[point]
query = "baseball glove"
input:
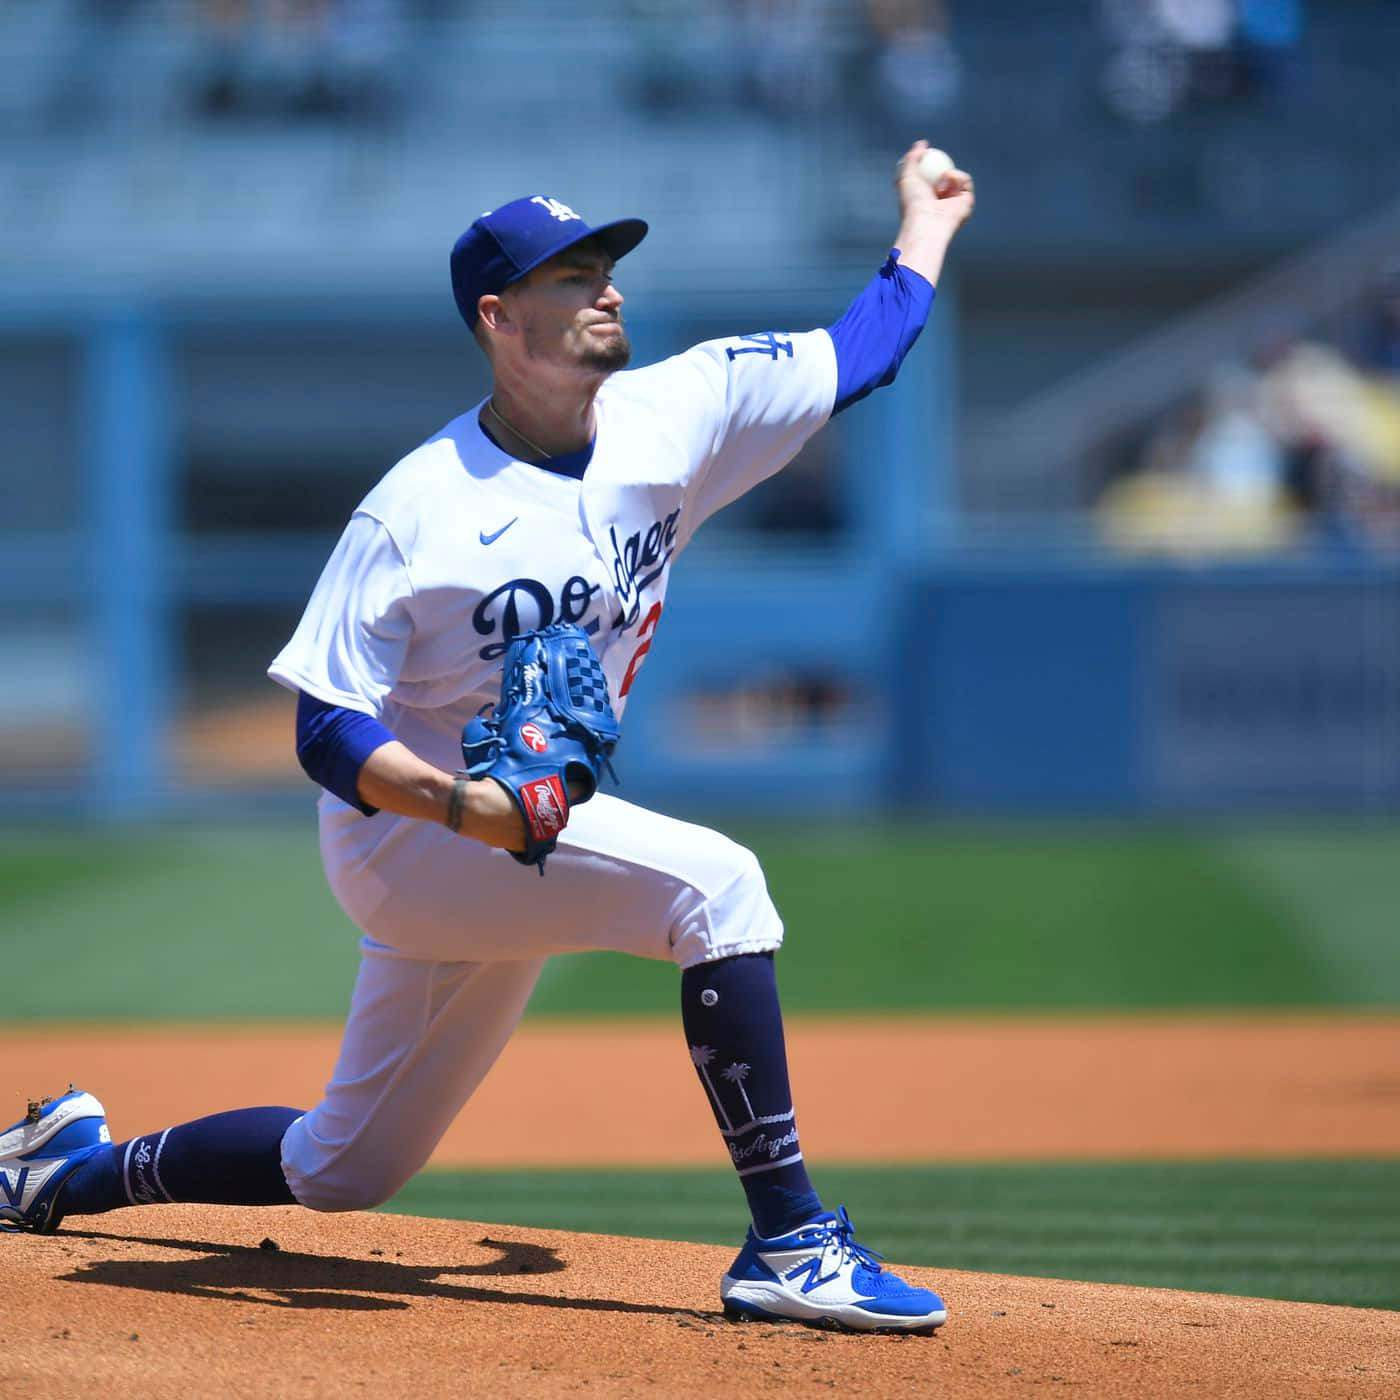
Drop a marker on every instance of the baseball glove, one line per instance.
(552, 731)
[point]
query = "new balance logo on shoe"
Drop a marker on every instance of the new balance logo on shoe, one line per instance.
(813, 1269)
(16, 1195)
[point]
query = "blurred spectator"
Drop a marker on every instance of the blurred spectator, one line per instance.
(1159, 48)
(1203, 31)
(779, 56)
(1167, 55)
(1212, 480)
(296, 57)
(786, 53)
(1302, 445)
(1348, 423)
(916, 72)
(683, 59)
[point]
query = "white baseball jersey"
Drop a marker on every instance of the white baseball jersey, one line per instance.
(460, 546)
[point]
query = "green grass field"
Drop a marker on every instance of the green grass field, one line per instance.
(1321, 1232)
(236, 923)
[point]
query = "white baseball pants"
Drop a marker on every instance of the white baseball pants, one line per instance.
(456, 936)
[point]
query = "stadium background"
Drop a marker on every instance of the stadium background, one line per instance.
(1067, 671)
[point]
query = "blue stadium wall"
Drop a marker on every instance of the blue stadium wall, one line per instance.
(1154, 690)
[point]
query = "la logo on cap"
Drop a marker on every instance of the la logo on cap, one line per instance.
(556, 207)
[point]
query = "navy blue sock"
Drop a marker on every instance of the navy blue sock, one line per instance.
(735, 1028)
(230, 1159)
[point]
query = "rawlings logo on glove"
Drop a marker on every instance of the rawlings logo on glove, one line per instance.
(551, 735)
(546, 806)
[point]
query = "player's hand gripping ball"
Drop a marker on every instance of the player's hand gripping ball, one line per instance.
(553, 730)
(934, 165)
(931, 186)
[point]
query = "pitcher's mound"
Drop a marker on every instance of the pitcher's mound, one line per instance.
(218, 1301)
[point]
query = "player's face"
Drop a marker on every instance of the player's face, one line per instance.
(571, 314)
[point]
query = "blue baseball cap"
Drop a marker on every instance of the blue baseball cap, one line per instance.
(506, 243)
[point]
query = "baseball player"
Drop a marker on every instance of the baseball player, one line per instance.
(564, 498)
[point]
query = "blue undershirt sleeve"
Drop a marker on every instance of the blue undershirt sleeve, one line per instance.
(332, 745)
(879, 326)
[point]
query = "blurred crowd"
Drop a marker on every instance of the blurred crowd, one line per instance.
(1169, 56)
(892, 60)
(307, 58)
(899, 60)
(899, 64)
(1297, 445)
(72, 64)
(353, 59)
(336, 57)
(1300, 439)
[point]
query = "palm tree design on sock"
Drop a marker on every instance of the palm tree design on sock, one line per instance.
(700, 1057)
(736, 1074)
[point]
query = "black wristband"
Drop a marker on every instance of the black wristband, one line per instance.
(457, 803)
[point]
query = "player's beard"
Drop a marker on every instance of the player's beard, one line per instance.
(579, 349)
(613, 353)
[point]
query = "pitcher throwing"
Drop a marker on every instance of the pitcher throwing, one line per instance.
(535, 535)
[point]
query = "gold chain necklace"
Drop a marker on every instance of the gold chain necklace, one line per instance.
(512, 429)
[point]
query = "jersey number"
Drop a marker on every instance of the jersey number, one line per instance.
(644, 635)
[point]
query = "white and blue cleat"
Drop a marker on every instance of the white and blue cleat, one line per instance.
(819, 1275)
(40, 1152)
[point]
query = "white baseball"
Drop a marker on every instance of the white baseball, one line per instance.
(935, 164)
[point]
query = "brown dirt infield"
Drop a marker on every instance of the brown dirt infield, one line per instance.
(947, 1089)
(181, 1301)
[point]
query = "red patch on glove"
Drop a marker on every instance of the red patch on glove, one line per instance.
(546, 807)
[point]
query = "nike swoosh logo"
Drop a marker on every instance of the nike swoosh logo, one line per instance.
(496, 534)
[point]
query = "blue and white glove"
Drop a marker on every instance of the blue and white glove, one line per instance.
(552, 731)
